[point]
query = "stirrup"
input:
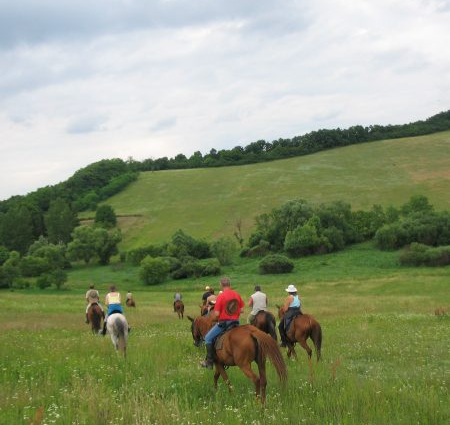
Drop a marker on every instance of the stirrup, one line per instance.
(207, 364)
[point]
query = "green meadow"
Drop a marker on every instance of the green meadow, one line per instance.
(208, 202)
(386, 356)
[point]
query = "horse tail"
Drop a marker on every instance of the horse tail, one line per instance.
(271, 326)
(122, 343)
(316, 336)
(267, 347)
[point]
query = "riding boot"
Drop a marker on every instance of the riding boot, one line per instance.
(282, 334)
(209, 361)
(104, 328)
(87, 320)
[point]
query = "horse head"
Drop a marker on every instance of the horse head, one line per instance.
(280, 311)
(195, 330)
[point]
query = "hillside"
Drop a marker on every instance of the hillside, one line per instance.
(208, 202)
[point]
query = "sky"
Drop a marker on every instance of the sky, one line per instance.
(86, 80)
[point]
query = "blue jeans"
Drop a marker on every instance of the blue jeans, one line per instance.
(115, 307)
(217, 329)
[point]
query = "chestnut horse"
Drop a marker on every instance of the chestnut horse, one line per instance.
(265, 321)
(302, 327)
(130, 302)
(179, 308)
(95, 316)
(241, 346)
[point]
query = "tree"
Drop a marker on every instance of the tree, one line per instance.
(82, 246)
(16, 229)
(60, 221)
(89, 242)
(153, 270)
(105, 216)
(223, 249)
(106, 244)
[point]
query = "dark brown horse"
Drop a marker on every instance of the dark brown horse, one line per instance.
(130, 302)
(302, 327)
(179, 308)
(265, 321)
(95, 316)
(240, 347)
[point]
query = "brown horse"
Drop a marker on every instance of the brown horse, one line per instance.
(265, 321)
(302, 327)
(95, 316)
(179, 308)
(130, 302)
(240, 347)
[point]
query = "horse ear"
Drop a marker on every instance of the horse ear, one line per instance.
(190, 318)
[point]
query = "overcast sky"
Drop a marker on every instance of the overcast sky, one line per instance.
(87, 80)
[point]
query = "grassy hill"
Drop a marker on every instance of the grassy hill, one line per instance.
(208, 202)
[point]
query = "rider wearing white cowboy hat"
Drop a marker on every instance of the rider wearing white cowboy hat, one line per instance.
(291, 308)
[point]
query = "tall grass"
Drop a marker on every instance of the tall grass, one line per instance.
(386, 357)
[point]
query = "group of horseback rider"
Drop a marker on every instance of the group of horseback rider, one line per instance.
(227, 307)
(113, 303)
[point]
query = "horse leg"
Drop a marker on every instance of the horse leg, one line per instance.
(224, 375)
(216, 377)
(302, 342)
(247, 369)
(291, 350)
(262, 379)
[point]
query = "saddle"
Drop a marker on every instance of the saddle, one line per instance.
(218, 343)
(288, 321)
(115, 312)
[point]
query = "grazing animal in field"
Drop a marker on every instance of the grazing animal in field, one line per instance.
(302, 327)
(265, 321)
(179, 308)
(117, 327)
(240, 347)
(95, 315)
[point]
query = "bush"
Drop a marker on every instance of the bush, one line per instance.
(105, 216)
(135, 256)
(43, 281)
(56, 277)
(276, 264)
(34, 266)
(183, 244)
(422, 255)
(304, 240)
(4, 255)
(223, 249)
(197, 268)
(260, 250)
(153, 270)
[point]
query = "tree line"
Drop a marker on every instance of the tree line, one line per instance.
(315, 141)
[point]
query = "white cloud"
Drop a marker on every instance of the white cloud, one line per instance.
(120, 78)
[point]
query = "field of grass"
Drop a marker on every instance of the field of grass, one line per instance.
(386, 356)
(208, 202)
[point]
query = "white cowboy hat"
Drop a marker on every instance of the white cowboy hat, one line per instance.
(291, 288)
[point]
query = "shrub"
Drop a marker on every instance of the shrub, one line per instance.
(276, 264)
(34, 266)
(422, 255)
(153, 270)
(304, 240)
(4, 254)
(56, 277)
(135, 256)
(260, 250)
(223, 249)
(197, 268)
(183, 244)
(105, 216)
(43, 281)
